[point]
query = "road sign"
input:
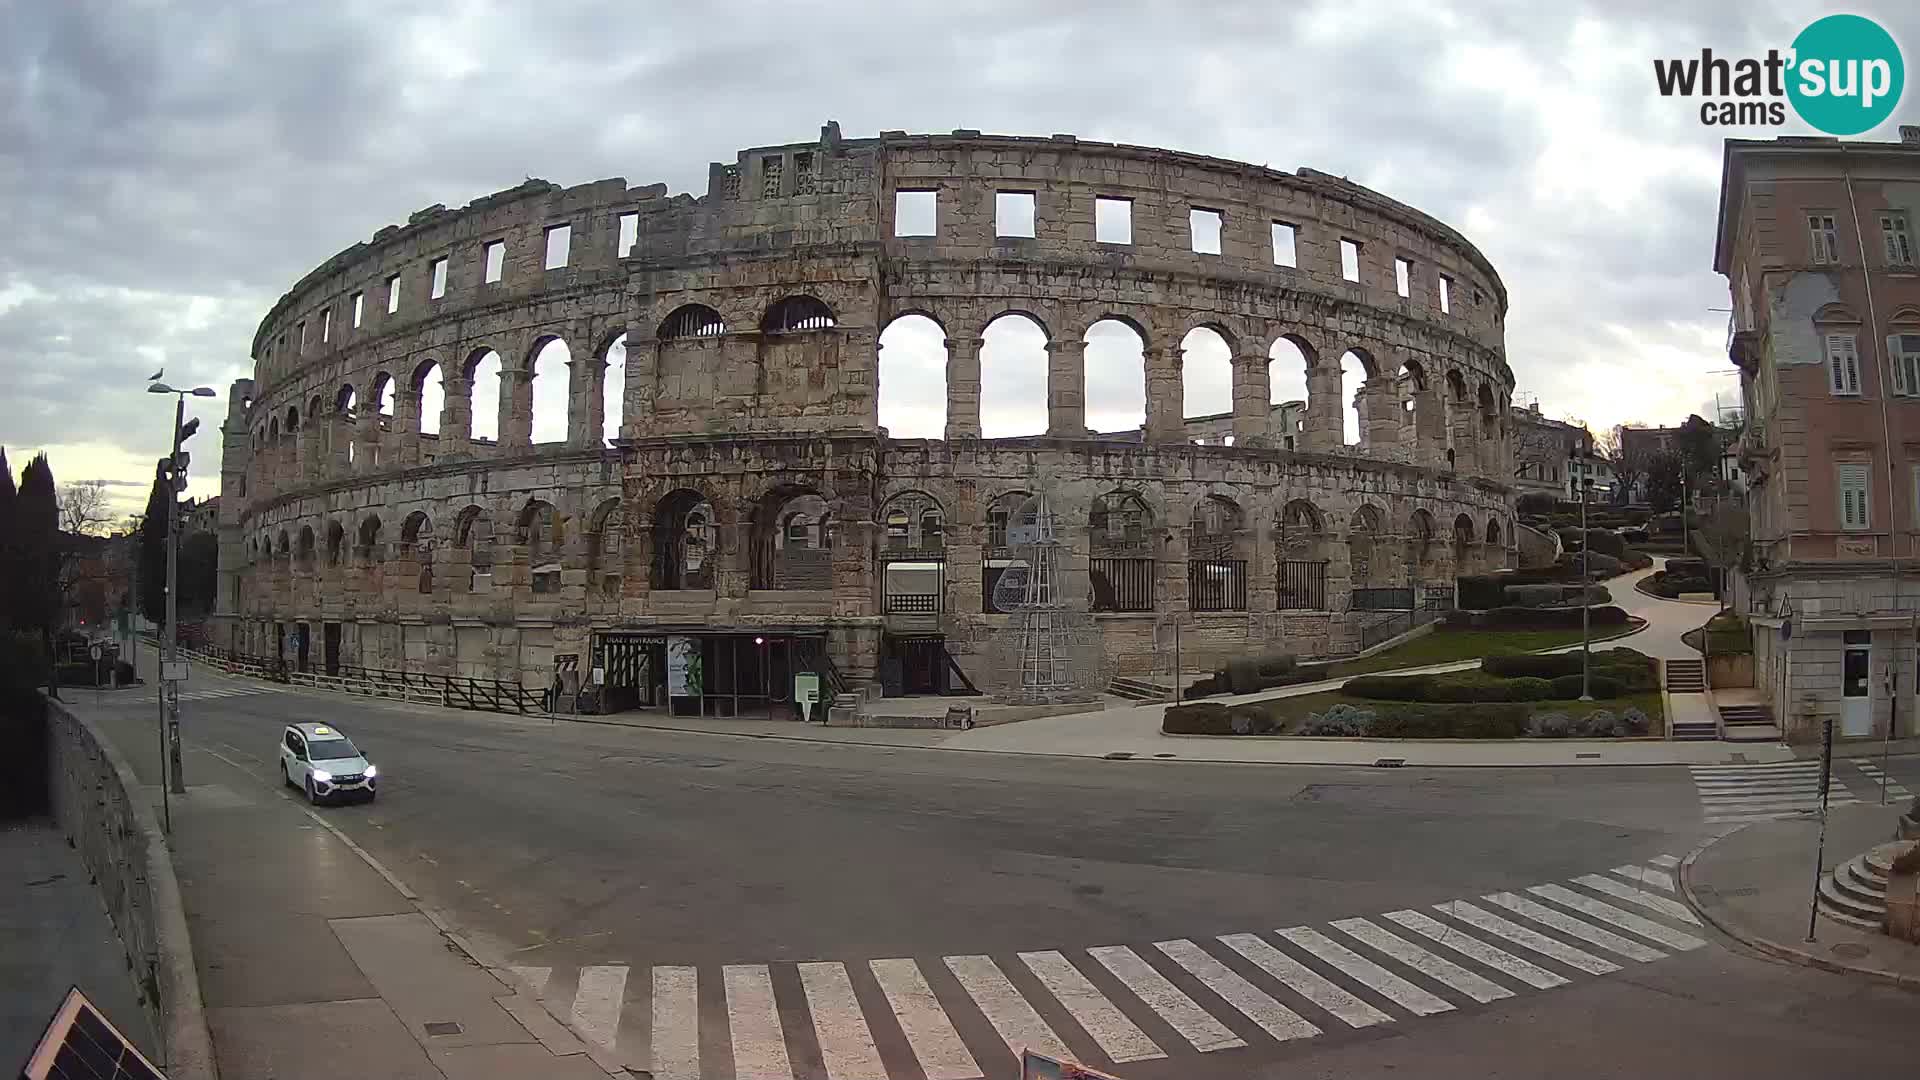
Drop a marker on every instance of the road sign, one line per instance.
(98, 651)
(173, 671)
(806, 693)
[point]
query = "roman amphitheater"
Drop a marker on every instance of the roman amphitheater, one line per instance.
(716, 475)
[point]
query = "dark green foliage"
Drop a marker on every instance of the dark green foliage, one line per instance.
(198, 572)
(1567, 687)
(1479, 592)
(1200, 688)
(1212, 718)
(1533, 595)
(1556, 618)
(1534, 504)
(1605, 542)
(153, 548)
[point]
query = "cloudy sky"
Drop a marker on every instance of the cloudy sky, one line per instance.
(167, 170)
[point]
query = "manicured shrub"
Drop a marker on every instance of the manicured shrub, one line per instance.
(1635, 721)
(1556, 618)
(1528, 596)
(1391, 687)
(1276, 664)
(1606, 542)
(1549, 725)
(1340, 719)
(1202, 687)
(1199, 718)
(1535, 665)
(1528, 688)
(1567, 687)
(1481, 591)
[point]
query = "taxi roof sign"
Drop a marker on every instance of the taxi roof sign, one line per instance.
(322, 729)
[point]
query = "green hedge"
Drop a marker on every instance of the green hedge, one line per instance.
(1213, 718)
(1452, 687)
(1515, 618)
(1567, 687)
(1487, 720)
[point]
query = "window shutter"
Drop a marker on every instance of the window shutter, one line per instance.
(1898, 361)
(1836, 378)
(1854, 510)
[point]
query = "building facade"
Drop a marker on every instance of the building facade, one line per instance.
(720, 474)
(1556, 457)
(1816, 242)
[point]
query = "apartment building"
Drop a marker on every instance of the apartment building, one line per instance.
(1816, 240)
(1556, 457)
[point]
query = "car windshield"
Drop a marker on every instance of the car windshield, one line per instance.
(330, 749)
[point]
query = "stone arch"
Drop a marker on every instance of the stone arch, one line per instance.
(1420, 535)
(912, 521)
(293, 421)
(482, 371)
(1364, 542)
(282, 549)
(537, 529)
(796, 313)
(613, 387)
(1463, 538)
(1013, 375)
(1206, 372)
(1290, 358)
(1301, 557)
(1114, 379)
(1215, 528)
(370, 548)
(685, 550)
(344, 400)
(316, 408)
(473, 535)
(1493, 533)
(691, 321)
(791, 539)
(416, 529)
(912, 374)
(416, 549)
(306, 548)
(336, 542)
(549, 391)
(606, 547)
(1216, 555)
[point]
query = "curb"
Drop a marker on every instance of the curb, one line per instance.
(1775, 949)
(188, 1042)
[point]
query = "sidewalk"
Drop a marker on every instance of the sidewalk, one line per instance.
(1754, 884)
(55, 934)
(313, 963)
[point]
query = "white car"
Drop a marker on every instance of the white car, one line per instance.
(321, 761)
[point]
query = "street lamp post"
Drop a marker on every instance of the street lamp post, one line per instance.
(176, 779)
(1584, 485)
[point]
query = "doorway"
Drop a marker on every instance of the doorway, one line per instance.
(302, 638)
(914, 665)
(1856, 685)
(330, 646)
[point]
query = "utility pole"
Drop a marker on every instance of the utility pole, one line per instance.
(175, 778)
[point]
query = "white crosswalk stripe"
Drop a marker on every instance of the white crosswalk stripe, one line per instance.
(1659, 879)
(1672, 909)
(1118, 1036)
(1730, 794)
(846, 1044)
(1567, 924)
(1383, 982)
(1004, 1008)
(1625, 920)
(1305, 981)
(1422, 961)
(1278, 1021)
(1667, 861)
(1472, 947)
(1194, 1024)
(929, 1033)
(759, 1044)
(1356, 970)
(1878, 778)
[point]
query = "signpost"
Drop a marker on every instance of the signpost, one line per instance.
(1820, 850)
(806, 693)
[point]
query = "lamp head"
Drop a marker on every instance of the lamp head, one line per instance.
(160, 388)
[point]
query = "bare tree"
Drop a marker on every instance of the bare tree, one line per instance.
(1722, 538)
(1628, 462)
(83, 508)
(81, 573)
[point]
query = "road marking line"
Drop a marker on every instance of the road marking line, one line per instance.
(759, 1043)
(1194, 1024)
(1749, 806)
(1383, 982)
(1659, 879)
(1625, 920)
(535, 977)
(1433, 967)
(1305, 981)
(596, 1003)
(1278, 1020)
(1672, 909)
(1118, 1036)
(676, 1023)
(1668, 861)
(1474, 915)
(1467, 945)
(1546, 916)
(846, 1045)
(943, 1056)
(1005, 1009)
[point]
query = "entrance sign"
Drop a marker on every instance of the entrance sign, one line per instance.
(683, 667)
(806, 693)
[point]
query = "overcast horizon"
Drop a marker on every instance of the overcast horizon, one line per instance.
(168, 171)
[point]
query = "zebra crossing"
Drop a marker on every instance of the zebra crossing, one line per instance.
(1732, 794)
(210, 694)
(966, 1017)
(1894, 788)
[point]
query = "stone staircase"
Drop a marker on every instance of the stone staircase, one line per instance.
(1748, 723)
(1855, 892)
(1686, 676)
(1138, 689)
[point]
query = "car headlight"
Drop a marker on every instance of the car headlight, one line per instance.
(321, 776)
(372, 772)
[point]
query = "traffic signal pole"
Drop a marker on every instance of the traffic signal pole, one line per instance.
(175, 778)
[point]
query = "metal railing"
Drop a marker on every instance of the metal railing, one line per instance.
(1216, 584)
(1302, 585)
(451, 691)
(1121, 583)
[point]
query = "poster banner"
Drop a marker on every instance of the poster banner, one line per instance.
(683, 667)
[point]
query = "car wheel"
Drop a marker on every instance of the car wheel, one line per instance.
(285, 780)
(312, 799)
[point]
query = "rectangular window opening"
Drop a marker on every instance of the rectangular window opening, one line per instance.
(1446, 295)
(1284, 238)
(770, 171)
(1843, 365)
(1903, 352)
(1204, 226)
(559, 245)
(1112, 220)
(915, 213)
(1403, 277)
(1350, 259)
(1893, 228)
(1855, 510)
(302, 330)
(439, 279)
(326, 325)
(496, 261)
(359, 308)
(629, 234)
(393, 294)
(1823, 239)
(1013, 213)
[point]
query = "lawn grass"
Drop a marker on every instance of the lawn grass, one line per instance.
(1291, 711)
(1446, 646)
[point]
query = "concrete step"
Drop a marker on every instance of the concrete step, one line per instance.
(1834, 900)
(1754, 733)
(1851, 880)
(1746, 714)
(1871, 925)
(1138, 690)
(1702, 732)
(1879, 861)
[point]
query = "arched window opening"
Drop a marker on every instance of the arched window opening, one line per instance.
(283, 549)
(1001, 559)
(1216, 578)
(1420, 536)
(692, 320)
(293, 421)
(431, 391)
(606, 545)
(792, 541)
(336, 543)
(1116, 378)
(1372, 569)
(370, 549)
(1300, 542)
(1206, 374)
(933, 526)
(1493, 533)
(899, 530)
(1120, 538)
(797, 313)
(1462, 539)
(306, 548)
(416, 539)
(483, 375)
(1013, 378)
(913, 572)
(473, 534)
(539, 531)
(683, 542)
(1353, 378)
(383, 395)
(1287, 394)
(613, 390)
(913, 378)
(550, 393)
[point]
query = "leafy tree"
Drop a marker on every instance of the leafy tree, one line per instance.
(198, 571)
(36, 514)
(1664, 478)
(153, 547)
(1629, 464)
(1699, 446)
(9, 556)
(1722, 538)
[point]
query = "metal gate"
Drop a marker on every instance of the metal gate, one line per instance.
(631, 669)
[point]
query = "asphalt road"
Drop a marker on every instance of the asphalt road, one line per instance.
(572, 848)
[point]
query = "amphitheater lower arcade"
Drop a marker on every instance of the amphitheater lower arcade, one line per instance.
(712, 473)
